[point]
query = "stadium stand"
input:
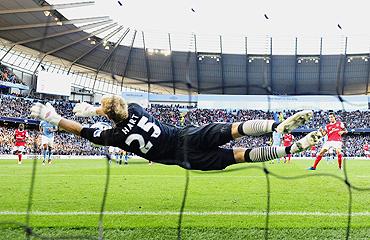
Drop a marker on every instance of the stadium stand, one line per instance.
(67, 144)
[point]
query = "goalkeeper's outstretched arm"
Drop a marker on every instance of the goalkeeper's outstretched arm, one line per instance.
(81, 110)
(70, 126)
(47, 112)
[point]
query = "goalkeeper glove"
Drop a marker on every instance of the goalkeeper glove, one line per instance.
(84, 110)
(45, 112)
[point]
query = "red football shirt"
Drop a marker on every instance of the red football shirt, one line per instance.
(288, 138)
(366, 147)
(20, 137)
(333, 129)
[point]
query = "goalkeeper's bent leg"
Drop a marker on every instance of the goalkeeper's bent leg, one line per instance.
(253, 128)
(263, 154)
(260, 154)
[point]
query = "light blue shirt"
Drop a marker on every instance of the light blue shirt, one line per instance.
(276, 139)
(47, 129)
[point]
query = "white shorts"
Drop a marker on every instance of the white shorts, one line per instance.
(367, 152)
(337, 145)
(46, 140)
(19, 148)
(114, 149)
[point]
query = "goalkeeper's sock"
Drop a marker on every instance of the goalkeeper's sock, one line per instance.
(263, 154)
(318, 159)
(256, 127)
(340, 158)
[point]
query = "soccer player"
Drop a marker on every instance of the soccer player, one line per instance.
(119, 157)
(190, 147)
(288, 139)
(21, 136)
(334, 130)
(276, 141)
(47, 140)
(124, 155)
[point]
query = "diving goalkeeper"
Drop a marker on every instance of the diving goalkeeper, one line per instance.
(190, 147)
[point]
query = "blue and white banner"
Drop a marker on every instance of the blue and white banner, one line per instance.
(280, 103)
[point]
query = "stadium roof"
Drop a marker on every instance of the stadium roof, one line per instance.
(93, 35)
(209, 18)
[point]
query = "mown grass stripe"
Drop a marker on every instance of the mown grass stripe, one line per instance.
(164, 213)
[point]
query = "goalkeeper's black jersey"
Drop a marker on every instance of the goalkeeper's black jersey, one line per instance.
(141, 134)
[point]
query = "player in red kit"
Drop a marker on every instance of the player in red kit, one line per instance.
(288, 140)
(334, 129)
(366, 150)
(20, 141)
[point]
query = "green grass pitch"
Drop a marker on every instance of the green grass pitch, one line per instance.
(144, 200)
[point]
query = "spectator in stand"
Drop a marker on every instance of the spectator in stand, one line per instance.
(12, 106)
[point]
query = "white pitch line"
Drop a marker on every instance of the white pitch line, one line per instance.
(166, 213)
(151, 176)
(131, 175)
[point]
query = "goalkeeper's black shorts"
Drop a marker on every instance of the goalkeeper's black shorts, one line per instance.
(198, 148)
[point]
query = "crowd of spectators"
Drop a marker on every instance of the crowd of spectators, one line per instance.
(353, 119)
(7, 75)
(19, 107)
(353, 145)
(12, 106)
(174, 115)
